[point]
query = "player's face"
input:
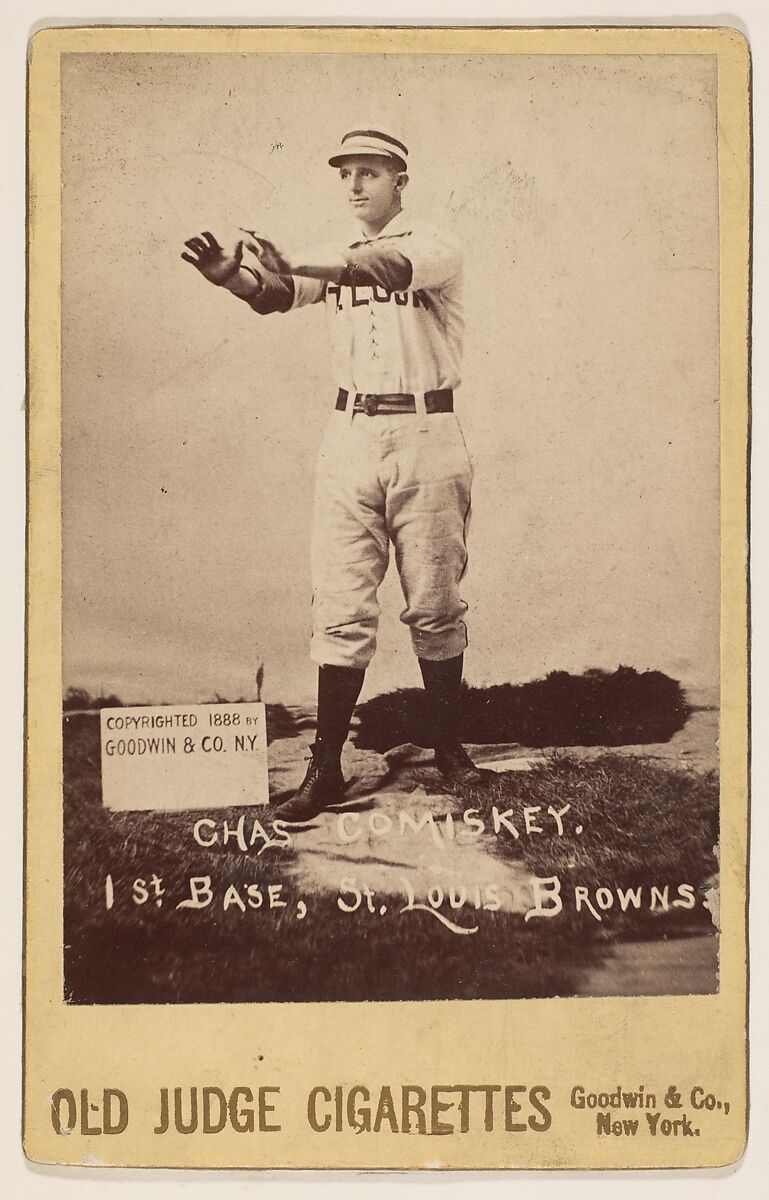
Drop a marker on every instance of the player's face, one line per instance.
(373, 190)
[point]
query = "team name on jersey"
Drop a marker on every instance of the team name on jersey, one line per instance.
(359, 297)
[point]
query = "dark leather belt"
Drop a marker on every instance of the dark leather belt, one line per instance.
(441, 401)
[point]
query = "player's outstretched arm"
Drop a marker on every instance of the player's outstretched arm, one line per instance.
(379, 263)
(265, 294)
(322, 262)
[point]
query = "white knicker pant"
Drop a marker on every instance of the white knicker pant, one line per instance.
(381, 479)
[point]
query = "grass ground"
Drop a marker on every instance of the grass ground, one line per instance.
(643, 826)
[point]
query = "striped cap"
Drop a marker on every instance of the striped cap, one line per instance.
(370, 141)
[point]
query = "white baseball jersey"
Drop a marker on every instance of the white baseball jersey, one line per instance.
(397, 341)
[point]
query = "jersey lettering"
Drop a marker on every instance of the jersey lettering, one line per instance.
(333, 289)
(378, 293)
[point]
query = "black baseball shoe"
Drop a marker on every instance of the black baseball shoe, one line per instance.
(456, 765)
(322, 786)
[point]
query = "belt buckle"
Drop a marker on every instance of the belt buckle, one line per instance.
(370, 405)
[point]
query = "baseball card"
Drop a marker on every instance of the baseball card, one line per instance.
(387, 703)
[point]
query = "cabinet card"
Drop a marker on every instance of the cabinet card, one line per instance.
(297, 299)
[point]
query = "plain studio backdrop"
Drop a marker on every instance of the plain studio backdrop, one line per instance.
(584, 190)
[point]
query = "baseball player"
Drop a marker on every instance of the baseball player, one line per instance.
(393, 467)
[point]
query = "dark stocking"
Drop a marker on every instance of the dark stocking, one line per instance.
(443, 685)
(338, 691)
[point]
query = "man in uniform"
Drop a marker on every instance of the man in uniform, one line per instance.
(393, 467)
